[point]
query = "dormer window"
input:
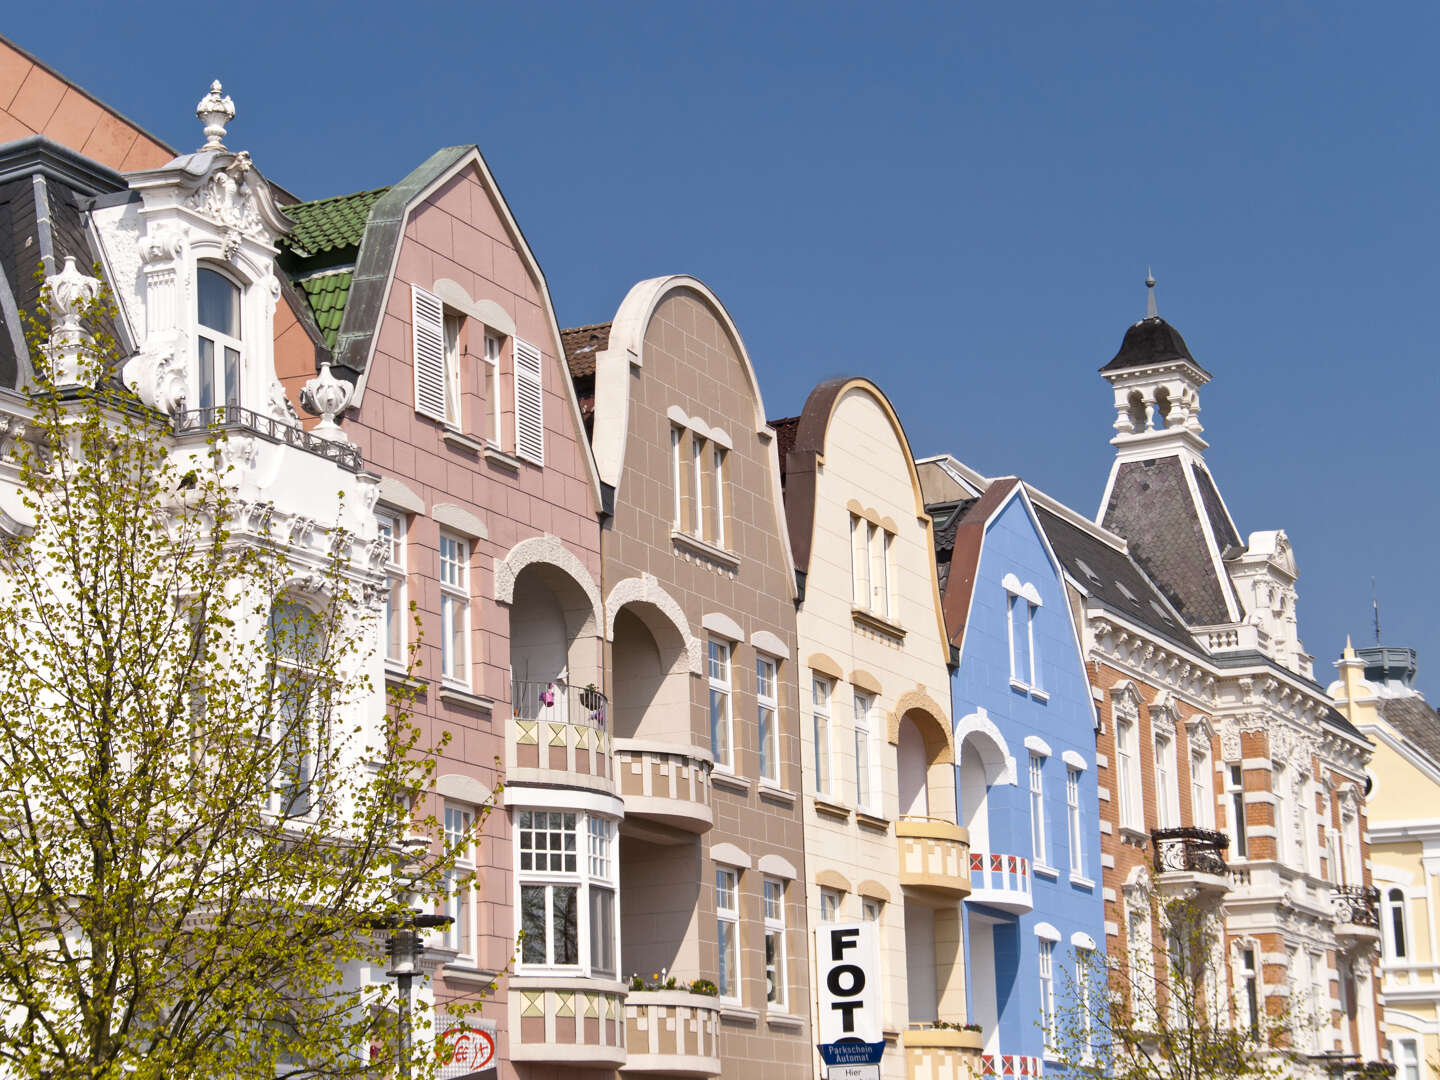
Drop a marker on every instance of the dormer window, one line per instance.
(220, 349)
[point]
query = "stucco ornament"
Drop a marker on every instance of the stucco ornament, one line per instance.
(157, 374)
(215, 111)
(70, 291)
(328, 397)
(227, 199)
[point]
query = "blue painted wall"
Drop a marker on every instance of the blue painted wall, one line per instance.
(1065, 721)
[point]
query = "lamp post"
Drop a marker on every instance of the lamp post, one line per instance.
(404, 948)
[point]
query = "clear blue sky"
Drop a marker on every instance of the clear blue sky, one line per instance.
(957, 200)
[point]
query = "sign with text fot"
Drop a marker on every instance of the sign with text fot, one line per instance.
(847, 961)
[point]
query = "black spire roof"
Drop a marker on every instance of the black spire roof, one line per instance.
(1150, 341)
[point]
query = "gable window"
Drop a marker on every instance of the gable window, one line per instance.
(722, 742)
(871, 572)
(865, 787)
(492, 367)
(217, 303)
(820, 709)
(860, 560)
(459, 895)
(454, 609)
(765, 717)
(727, 927)
(1022, 602)
(716, 535)
(1037, 810)
(775, 943)
(1072, 818)
(452, 370)
(392, 536)
(697, 484)
(432, 356)
(1396, 925)
(1235, 791)
(676, 481)
(529, 401)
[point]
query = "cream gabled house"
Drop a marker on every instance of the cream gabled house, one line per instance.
(881, 839)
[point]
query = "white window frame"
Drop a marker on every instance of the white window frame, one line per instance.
(1202, 786)
(677, 481)
(767, 716)
(454, 610)
(776, 988)
(1140, 954)
(219, 343)
(580, 867)
(822, 692)
(866, 793)
(1167, 800)
(1235, 793)
(717, 458)
(392, 527)
(293, 799)
(879, 600)
(460, 905)
(1084, 961)
(727, 920)
(1249, 990)
(493, 346)
(1048, 1020)
(719, 662)
(1394, 907)
(1038, 840)
(830, 901)
(601, 859)
(1127, 772)
(1405, 1053)
(454, 324)
(859, 561)
(1354, 873)
(697, 484)
(1072, 817)
(1030, 611)
(870, 909)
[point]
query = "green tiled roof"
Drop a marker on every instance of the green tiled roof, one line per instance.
(327, 294)
(327, 224)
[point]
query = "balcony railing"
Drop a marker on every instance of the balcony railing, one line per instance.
(665, 783)
(1350, 1067)
(234, 418)
(1190, 851)
(561, 728)
(1001, 881)
(933, 855)
(1357, 905)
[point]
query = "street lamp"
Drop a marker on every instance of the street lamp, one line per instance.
(404, 948)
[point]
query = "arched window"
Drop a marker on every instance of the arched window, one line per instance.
(1397, 924)
(295, 644)
(217, 302)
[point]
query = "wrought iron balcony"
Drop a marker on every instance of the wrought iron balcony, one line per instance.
(234, 418)
(1190, 851)
(1357, 905)
(1350, 1066)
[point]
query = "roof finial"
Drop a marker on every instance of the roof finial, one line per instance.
(1151, 312)
(215, 111)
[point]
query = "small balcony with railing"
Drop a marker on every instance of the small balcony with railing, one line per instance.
(673, 1032)
(934, 854)
(1002, 881)
(1190, 858)
(560, 733)
(1357, 916)
(1347, 1066)
(664, 784)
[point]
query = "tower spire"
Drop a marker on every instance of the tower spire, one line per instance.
(1151, 312)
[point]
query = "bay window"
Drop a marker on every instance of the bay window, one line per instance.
(566, 897)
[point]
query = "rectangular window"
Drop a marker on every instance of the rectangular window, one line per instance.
(1235, 789)
(775, 986)
(1202, 804)
(453, 400)
(1072, 815)
(722, 743)
(459, 894)
(1017, 618)
(765, 713)
(697, 485)
(1084, 958)
(1141, 967)
(1037, 810)
(1047, 994)
(677, 482)
(602, 897)
(869, 909)
(492, 365)
(864, 778)
(547, 845)
(891, 611)
(860, 561)
(727, 918)
(820, 708)
(454, 610)
(829, 905)
(879, 586)
(717, 512)
(1030, 651)
(1405, 1053)
(1125, 772)
(1165, 782)
(1250, 991)
(392, 535)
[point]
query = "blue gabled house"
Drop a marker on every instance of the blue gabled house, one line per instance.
(1025, 771)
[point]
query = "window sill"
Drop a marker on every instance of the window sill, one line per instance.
(1039, 695)
(464, 699)
(400, 677)
(705, 549)
(831, 809)
(736, 1011)
(728, 780)
(495, 456)
(872, 821)
(1131, 835)
(1018, 686)
(775, 793)
(785, 1021)
(874, 621)
(1082, 882)
(1045, 871)
(461, 971)
(459, 441)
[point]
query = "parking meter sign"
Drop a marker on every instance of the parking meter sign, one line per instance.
(847, 959)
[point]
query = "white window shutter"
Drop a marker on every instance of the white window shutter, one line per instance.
(427, 323)
(529, 403)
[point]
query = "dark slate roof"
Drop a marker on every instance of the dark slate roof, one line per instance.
(327, 292)
(945, 518)
(581, 344)
(786, 428)
(1413, 718)
(1150, 341)
(1223, 529)
(328, 224)
(1113, 578)
(1151, 507)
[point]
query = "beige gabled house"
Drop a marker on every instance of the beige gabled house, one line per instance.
(878, 796)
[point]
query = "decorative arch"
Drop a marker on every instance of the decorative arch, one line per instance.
(645, 589)
(546, 550)
(987, 734)
(918, 700)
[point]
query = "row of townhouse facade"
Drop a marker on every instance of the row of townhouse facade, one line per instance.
(727, 678)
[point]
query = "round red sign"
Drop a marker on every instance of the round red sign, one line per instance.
(471, 1049)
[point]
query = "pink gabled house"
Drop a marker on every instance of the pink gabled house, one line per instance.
(425, 297)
